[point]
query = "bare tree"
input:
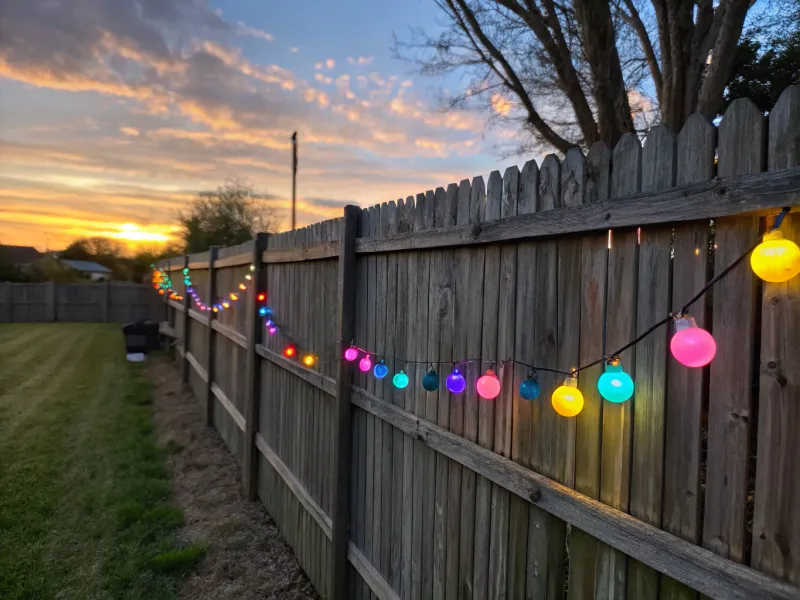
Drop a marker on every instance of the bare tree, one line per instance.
(573, 72)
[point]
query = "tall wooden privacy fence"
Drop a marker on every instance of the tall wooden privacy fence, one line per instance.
(690, 488)
(113, 302)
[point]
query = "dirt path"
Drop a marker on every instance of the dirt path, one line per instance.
(247, 556)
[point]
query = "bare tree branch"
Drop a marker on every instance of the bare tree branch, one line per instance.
(633, 19)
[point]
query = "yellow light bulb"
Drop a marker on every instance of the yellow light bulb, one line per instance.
(242, 286)
(309, 360)
(567, 399)
(225, 305)
(234, 297)
(776, 259)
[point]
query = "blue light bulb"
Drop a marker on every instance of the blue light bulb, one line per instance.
(380, 370)
(431, 381)
(529, 389)
(262, 312)
(456, 382)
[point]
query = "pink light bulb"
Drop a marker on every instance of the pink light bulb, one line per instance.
(351, 354)
(365, 364)
(692, 346)
(272, 330)
(488, 386)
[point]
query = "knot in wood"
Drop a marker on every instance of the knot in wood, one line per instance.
(722, 190)
(476, 231)
(536, 495)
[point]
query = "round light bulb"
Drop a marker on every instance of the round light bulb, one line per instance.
(248, 277)
(615, 385)
(185, 270)
(309, 360)
(351, 353)
(400, 380)
(381, 370)
(225, 305)
(692, 346)
(567, 399)
(272, 330)
(488, 386)
(242, 286)
(261, 297)
(252, 267)
(455, 382)
(262, 312)
(289, 351)
(775, 259)
(365, 364)
(431, 381)
(529, 389)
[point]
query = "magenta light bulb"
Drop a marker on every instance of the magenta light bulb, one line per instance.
(351, 354)
(272, 329)
(365, 364)
(455, 382)
(488, 386)
(692, 346)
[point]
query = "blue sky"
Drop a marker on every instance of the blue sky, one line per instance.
(118, 113)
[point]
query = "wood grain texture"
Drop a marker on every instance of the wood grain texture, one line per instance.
(469, 312)
(741, 151)
(443, 308)
(546, 535)
(690, 564)
(620, 328)
(521, 409)
(653, 302)
(503, 403)
(776, 527)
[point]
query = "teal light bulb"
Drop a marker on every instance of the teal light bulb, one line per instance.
(615, 385)
(400, 380)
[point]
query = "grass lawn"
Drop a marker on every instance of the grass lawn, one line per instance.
(84, 495)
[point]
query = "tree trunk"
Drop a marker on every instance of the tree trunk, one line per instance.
(599, 44)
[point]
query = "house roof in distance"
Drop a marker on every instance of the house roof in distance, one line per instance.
(85, 266)
(20, 255)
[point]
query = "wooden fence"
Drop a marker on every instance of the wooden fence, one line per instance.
(691, 488)
(113, 302)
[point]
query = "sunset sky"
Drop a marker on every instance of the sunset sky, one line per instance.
(114, 113)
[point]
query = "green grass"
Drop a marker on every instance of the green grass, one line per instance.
(84, 496)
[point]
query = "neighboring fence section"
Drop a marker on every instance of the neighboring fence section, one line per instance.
(113, 302)
(691, 488)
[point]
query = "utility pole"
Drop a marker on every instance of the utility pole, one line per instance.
(294, 176)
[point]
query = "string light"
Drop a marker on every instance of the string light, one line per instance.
(615, 385)
(309, 360)
(365, 364)
(233, 297)
(488, 386)
(242, 286)
(252, 268)
(225, 305)
(400, 380)
(567, 399)
(775, 259)
(431, 380)
(261, 297)
(248, 277)
(289, 351)
(351, 353)
(272, 329)
(381, 370)
(455, 382)
(692, 346)
(262, 312)
(529, 389)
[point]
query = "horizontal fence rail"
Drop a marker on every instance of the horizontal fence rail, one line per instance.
(687, 489)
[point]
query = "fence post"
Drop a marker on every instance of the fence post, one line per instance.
(187, 302)
(50, 300)
(253, 371)
(5, 302)
(213, 252)
(106, 301)
(347, 319)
